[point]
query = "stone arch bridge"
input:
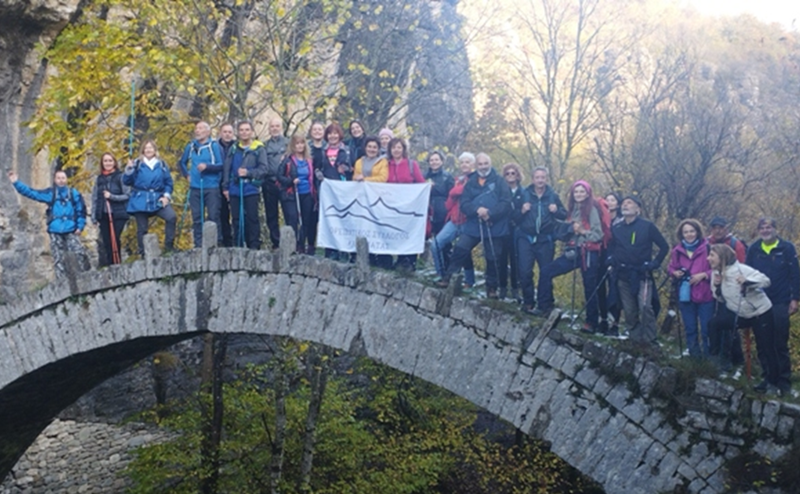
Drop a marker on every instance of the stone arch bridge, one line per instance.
(605, 412)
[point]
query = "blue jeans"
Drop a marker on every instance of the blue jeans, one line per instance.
(446, 235)
(590, 269)
(691, 313)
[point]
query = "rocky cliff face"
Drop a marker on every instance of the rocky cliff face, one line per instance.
(24, 259)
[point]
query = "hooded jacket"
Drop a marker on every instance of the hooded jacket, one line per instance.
(147, 185)
(66, 212)
(194, 154)
(275, 148)
(288, 172)
(493, 195)
(441, 183)
(254, 159)
(539, 223)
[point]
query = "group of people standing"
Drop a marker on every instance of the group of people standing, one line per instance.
(719, 282)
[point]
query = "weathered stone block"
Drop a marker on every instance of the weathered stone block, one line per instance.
(713, 389)
(769, 415)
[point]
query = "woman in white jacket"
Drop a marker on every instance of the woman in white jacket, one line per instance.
(739, 289)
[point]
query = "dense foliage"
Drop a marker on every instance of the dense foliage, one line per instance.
(379, 431)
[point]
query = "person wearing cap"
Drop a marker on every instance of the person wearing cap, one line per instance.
(721, 235)
(631, 255)
(776, 258)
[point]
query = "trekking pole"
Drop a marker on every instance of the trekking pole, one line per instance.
(574, 282)
(491, 247)
(241, 214)
(202, 209)
(114, 248)
(594, 293)
(185, 208)
(133, 116)
(300, 228)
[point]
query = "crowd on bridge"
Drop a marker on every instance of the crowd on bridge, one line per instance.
(720, 284)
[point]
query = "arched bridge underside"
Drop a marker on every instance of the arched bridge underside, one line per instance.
(58, 343)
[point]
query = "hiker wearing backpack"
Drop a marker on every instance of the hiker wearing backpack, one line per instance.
(691, 273)
(631, 256)
(201, 163)
(151, 194)
(776, 258)
(486, 203)
(536, 217)
(587, 220)
(66, 218)
(721, 235)
(403, 170)
(298, 196)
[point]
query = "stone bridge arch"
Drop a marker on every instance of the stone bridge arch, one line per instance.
(56, 344)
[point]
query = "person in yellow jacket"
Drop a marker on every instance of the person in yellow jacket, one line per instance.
(371, 167)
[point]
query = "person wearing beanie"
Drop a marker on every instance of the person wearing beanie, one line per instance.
(385, 135)
(631, 256)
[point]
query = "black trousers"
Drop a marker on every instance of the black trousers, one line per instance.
(226, 233)
(271, 194)
(492, 249)
(170, 218)
(105, 248)
(251, 236)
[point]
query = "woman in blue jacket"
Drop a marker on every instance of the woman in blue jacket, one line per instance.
(66, 218)
(151, 194)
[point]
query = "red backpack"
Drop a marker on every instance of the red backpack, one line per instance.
(605, 222)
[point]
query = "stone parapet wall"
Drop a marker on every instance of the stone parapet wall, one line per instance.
(620, 419)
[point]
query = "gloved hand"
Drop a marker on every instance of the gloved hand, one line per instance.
(649, 266)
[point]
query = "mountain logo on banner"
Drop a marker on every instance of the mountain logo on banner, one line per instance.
(372, 212)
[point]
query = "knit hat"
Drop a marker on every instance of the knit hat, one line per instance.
(632, 198)
(385, 131)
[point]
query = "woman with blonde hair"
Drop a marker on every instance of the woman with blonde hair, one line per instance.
(297, 193)
(739, 289)
(150, 181)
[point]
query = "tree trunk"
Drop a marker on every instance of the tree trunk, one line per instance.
(318, 368)
(276, 463)
(211, 382)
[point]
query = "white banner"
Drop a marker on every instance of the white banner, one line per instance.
(392, 217)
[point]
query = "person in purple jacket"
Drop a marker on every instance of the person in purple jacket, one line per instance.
(691, 271)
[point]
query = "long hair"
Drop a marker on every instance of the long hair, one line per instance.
(726, 255)
(587, 205)
(694, 224)
(293, 142)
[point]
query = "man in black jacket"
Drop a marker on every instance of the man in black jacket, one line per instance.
(226, 138)
(535, 237)
(631, 252)
(486, 202)
(275, 148)
(776, 258)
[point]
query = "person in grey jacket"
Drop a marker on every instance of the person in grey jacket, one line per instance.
(275, 148)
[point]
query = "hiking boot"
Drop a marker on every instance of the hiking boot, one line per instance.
(491, 293)
(528, 309)
(602, 328)
(539, 312)
(588, 329)
(443, 283)
(761, 387)
(503, 293)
